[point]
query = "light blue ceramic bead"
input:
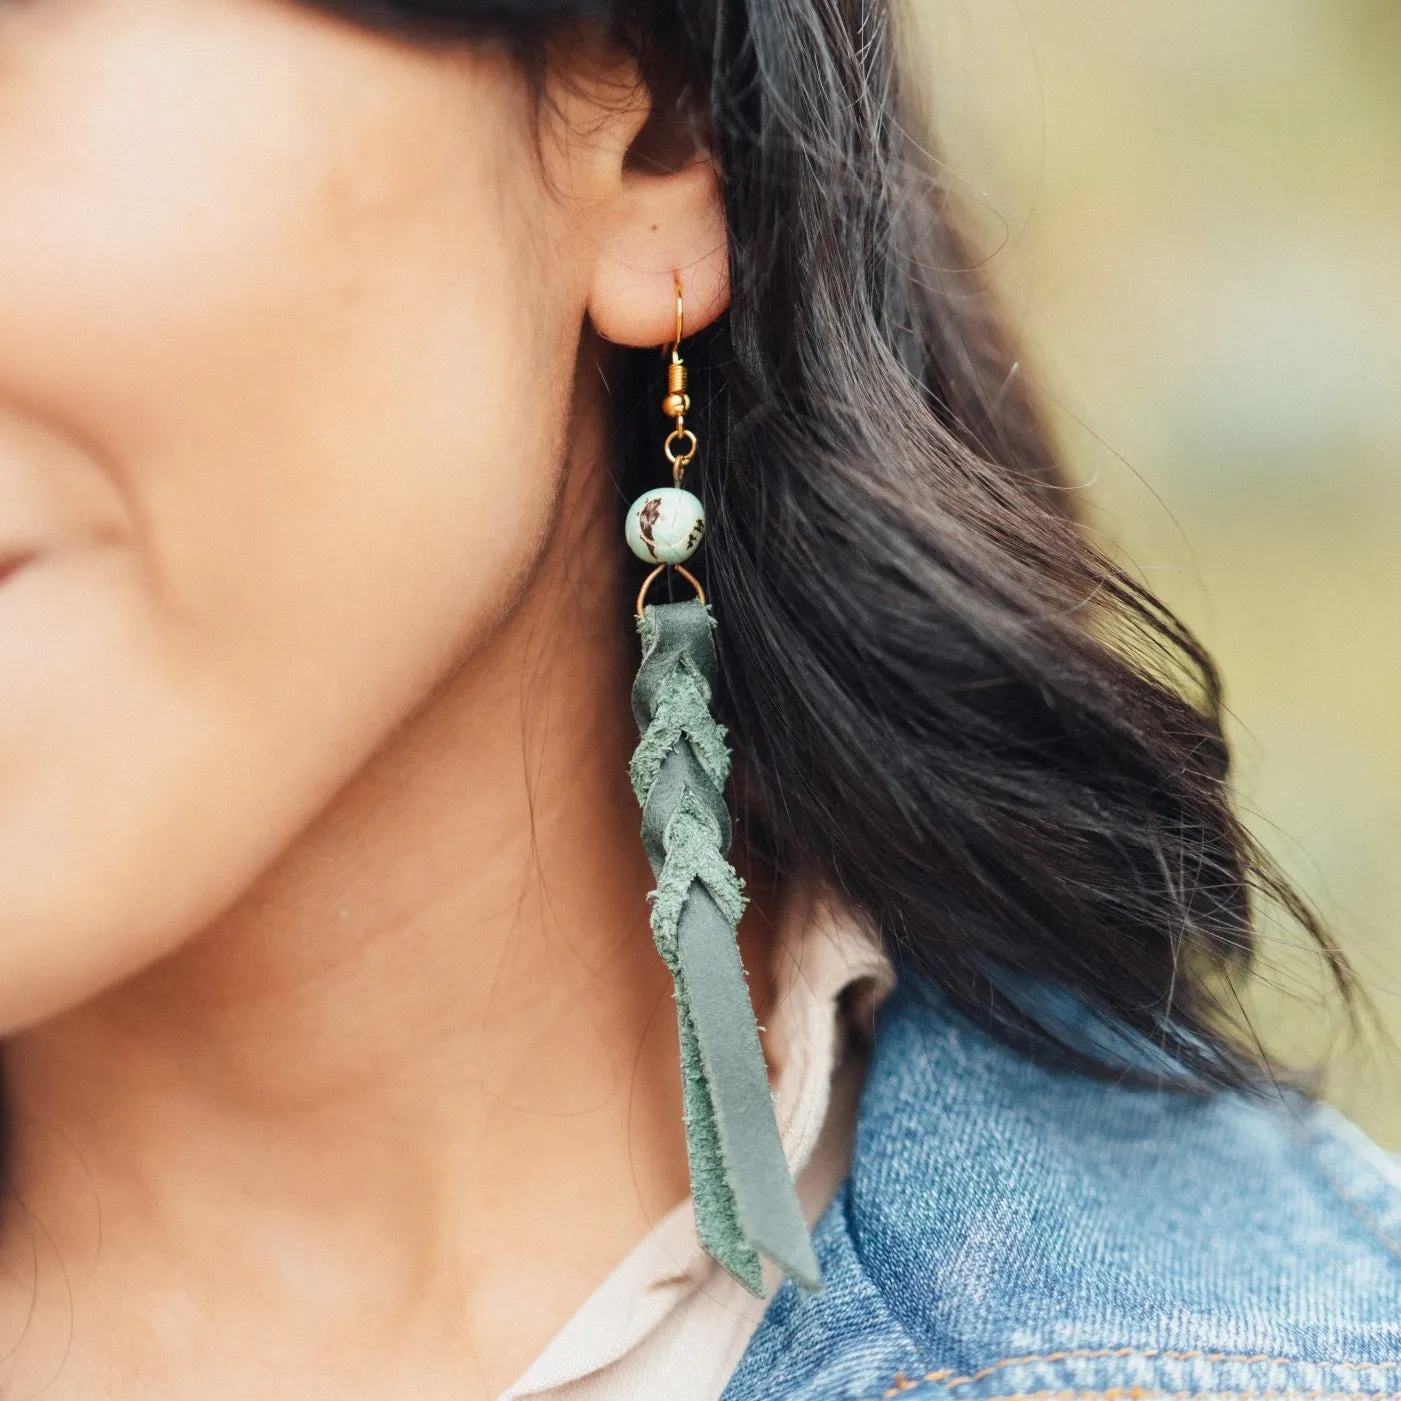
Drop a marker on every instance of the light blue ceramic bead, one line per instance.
(666, 525)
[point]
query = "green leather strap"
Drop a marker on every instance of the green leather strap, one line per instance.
(745, 1202)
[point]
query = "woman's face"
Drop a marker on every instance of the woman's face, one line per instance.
(286, 310)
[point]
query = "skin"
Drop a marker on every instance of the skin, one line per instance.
(338, 1061)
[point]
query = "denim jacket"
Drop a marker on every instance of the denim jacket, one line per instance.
(1012, 1232)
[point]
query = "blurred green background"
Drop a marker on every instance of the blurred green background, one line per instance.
(1192, 211)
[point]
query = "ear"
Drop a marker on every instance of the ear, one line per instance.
(655, 213)
(666, 227)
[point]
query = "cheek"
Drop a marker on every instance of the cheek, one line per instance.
(268, 321)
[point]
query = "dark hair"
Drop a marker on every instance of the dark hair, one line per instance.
(945, 700)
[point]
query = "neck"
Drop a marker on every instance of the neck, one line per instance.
(428, 1062)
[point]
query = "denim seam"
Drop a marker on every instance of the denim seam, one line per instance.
(848, 1216)
(1362, 1214)
(950, 1380)
(1141, 1393)
(1367, 1220)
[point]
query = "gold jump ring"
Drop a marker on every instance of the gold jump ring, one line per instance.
(680, 435)
(652, 578)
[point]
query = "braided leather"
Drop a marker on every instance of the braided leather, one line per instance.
(744, 1197)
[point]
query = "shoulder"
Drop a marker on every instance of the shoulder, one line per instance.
(1015, 1231)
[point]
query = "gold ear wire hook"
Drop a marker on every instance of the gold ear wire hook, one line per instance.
(681, 442)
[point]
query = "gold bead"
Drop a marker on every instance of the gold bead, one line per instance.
(676, 405)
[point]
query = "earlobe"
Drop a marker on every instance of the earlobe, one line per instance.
(664, 228)
(654, 209)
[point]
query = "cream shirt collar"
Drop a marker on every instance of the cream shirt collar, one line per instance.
(669, 1321)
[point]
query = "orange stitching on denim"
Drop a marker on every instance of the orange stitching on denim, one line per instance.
(1167, 1354)
(1138, 1393)
(902, 1383)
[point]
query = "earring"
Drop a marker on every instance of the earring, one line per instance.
(743, 1194)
